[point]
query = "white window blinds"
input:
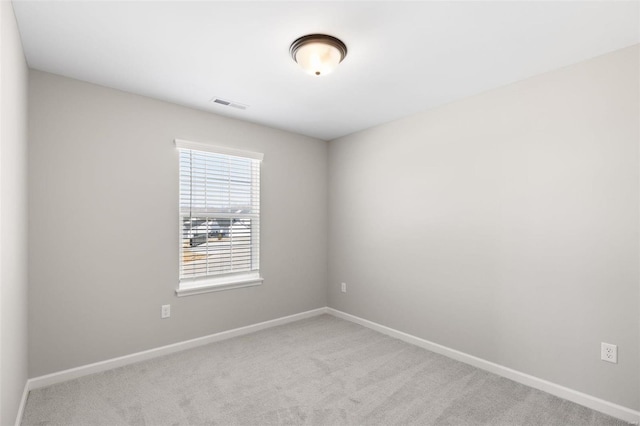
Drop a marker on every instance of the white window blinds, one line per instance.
(219, 212)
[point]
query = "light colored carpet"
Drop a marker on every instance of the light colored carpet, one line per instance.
(318, 371)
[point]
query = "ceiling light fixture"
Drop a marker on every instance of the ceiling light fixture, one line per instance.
(318, 54)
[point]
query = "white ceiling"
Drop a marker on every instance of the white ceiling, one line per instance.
(404, 57)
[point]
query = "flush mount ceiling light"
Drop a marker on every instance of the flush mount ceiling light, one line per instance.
(318, 54)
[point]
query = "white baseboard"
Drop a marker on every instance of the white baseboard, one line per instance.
(23, 403)
(97, 367)
(589, 401)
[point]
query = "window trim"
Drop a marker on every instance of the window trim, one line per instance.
(225, 282)
(207, 284)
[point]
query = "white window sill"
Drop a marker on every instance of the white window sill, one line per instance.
(207, 285)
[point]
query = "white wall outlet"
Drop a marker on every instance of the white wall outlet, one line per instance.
(609, 352)
(165, 312)
(343, 287)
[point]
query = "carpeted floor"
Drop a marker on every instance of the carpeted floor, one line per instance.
(319, 371)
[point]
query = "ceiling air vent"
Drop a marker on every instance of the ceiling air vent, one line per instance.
(232, 104)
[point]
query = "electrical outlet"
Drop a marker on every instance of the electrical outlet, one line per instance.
(343, 287)
(165, 312)
(609, 352)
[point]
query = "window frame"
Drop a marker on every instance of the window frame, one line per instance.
(214, 282)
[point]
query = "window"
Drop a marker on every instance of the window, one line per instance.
(219, 218)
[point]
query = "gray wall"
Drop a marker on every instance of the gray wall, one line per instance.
(103, 223)
(504, 225)
(13, 216)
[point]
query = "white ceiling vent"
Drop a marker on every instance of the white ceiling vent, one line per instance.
(225, 102)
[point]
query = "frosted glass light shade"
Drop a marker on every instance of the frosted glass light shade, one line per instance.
(318, 54)
(318, 58)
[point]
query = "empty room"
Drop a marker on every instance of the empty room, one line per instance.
(319, 213)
